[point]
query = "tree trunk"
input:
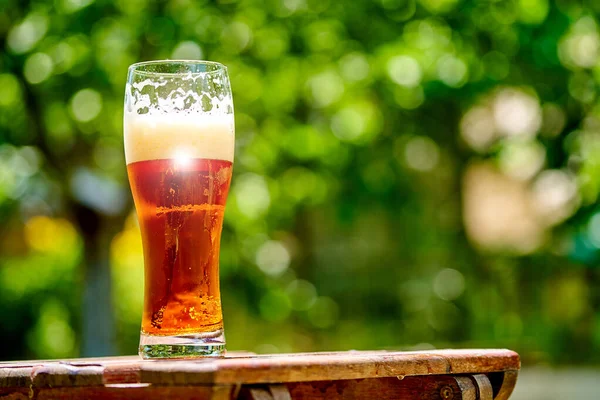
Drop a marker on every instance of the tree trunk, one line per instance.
(98, 322)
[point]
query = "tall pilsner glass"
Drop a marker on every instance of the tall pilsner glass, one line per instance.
(179, 143)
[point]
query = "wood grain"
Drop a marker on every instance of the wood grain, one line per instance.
(280, 392)
(484, 387)
(310, 367)
(467, 388)
(256, 393)
(314, 367)
(508, 385)
(15, 377)
(411, 388)
(66, 375)
(223, 377)
(14, 395)
(131, 393)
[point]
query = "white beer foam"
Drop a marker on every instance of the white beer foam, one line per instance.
(178, 136)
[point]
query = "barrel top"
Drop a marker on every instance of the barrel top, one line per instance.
(248, 368)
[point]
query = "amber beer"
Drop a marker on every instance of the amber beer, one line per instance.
(179, 169)
(180, 205)
(178, 131)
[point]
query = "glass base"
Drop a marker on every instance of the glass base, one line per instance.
(208, 344)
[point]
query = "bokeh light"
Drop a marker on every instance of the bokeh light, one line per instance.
(273, 258)
(85, 105)
(38, 68)
(24, 36)
(187, 50)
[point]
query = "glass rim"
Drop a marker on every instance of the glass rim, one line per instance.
(137, 68)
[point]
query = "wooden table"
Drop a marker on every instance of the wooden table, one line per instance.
(440, 374)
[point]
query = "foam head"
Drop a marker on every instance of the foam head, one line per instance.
(178, 136)
(178, 110)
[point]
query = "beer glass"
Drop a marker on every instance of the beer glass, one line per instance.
(179, 143)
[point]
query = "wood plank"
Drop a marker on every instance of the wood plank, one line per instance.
(15, 377)
(122, 373)
(309, 367)
(14, 395)
(314, 367)
(133, 371)
(131, 392)
(410, 388)
(177, 373)
(103, 360)
(66, 375)
(257, 369)
(72, 361)
(224, 392)
(332, 367)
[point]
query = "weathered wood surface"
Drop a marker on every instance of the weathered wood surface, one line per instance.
(313, 367)
(484, 387)
(509, 380)
(444, 387)
(473, 374)
(410, 388)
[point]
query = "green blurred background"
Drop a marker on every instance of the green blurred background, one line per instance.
(409, 174)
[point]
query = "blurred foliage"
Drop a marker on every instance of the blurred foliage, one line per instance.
(409, 173)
